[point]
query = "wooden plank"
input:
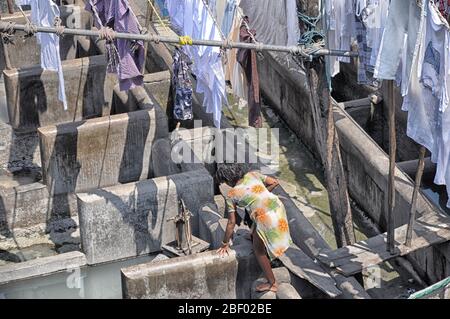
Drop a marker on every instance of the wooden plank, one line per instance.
(304, 267)
(330, 257)
(428, 230)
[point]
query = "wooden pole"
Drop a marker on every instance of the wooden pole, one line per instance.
(412, 214)
(327, 141)
(10, 6)
(392, 156)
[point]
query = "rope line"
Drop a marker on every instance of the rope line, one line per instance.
(166, 28)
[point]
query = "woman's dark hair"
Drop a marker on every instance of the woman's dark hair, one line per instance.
(231, 173)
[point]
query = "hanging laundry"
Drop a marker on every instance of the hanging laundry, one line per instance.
(182, 86)
(360, 30)
(404, 17)
(234, 72)
(43, 13)
(119, 16)
(229, 14)
(218, 9)
(248, 60)
(162, 8)
(340, 14)
(293, 29)
(276, 28)
(193, 19)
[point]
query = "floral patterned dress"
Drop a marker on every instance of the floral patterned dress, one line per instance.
(267, 212)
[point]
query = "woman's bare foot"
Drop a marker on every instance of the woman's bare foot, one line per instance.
(267, 287)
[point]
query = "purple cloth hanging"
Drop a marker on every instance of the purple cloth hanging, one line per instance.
(117, 15)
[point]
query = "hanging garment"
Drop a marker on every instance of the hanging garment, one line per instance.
(43, 13)
(193, 19)
(331, 38)
(422, 106)
(230, 11)
(118, 16)
(218, 9)
(404, 17)
(234, 72)
(248, 60)
(272, 20)
(293, 28)
(435, 76)
(163, 7)
(182, 86)
(360, 30)
(340, 28)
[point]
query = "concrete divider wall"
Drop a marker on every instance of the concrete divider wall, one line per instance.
(28, 205)
(32, 94)
(366, 164)
(132, 219)
(200, 276)
(100, 152)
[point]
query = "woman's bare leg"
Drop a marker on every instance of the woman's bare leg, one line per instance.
(261, 256)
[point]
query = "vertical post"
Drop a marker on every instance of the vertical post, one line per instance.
(392, 155)
(148, 20)
(412, 213)
(327, 141)
(10, 6)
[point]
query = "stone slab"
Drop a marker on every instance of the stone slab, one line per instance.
(32, 93)
(18, 150)
(200, 276)
(100, 152)
(287, 291)
(41, 266)
(32, 204)
(158, 84)
(132, 219)
(212, 226)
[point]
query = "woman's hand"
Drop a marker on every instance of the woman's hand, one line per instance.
(224, 250)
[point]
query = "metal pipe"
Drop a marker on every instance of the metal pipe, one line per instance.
(176, 40)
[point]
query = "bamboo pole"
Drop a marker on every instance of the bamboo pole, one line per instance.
(412, 214)
(391, 184)
(4, 26)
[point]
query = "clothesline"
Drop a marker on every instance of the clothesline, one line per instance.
(6, 27)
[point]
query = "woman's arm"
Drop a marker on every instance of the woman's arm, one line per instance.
(228, 232)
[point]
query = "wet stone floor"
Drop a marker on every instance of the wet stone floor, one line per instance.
(301, 175)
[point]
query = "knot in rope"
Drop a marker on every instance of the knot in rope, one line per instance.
(185, 40)
(227, 44)
(154, 38)
(30, 29)
(311, 35)
(59, 26)
(259, 46)
(7, 32)
(108, 34)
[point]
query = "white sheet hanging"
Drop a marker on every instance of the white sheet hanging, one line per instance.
(43, 13)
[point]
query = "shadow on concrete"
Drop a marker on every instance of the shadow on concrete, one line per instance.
(132, 164)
